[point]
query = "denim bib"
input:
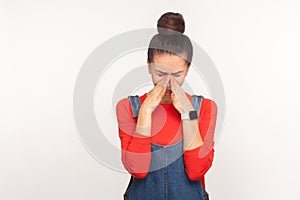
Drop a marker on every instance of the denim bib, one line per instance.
(166, 178)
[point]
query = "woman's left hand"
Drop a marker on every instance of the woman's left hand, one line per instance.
(179, 98)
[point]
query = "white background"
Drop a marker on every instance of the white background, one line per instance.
(254, 45)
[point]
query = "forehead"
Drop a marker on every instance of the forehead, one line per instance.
(169, 62)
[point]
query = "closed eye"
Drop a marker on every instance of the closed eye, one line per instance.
(176, 75)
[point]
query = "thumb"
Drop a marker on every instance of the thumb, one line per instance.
(172, 96)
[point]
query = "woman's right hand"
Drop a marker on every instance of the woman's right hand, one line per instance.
(155, 96)
(152, 100)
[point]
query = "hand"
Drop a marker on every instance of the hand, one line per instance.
(179, 98)
(155, 96)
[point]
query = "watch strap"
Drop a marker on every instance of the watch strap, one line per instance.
(185, 116)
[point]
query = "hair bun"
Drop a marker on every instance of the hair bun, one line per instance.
(171, 23)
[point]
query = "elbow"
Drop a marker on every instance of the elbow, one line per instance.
(197, 175)
(139, 175)
(136, 167)
(194, 176)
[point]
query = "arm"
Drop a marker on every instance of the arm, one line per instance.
(191, 135)
(199, 155)
(135, 140)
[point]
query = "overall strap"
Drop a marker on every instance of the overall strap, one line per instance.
(196, 102)
(135, 105)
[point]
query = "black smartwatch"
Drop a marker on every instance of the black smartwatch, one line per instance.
(189, 115)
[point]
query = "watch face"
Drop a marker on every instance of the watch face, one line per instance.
(193, 114)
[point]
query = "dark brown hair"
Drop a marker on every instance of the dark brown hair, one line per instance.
(170, 38)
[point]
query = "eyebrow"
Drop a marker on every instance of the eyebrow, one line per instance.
(171, 73)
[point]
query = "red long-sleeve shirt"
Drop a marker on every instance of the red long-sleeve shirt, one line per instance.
(166, 129)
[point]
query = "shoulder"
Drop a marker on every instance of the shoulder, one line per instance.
(208, 110)
(209, 104)
(206, 103)
(123, 105)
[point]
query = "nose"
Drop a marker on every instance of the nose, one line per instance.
(169, 83)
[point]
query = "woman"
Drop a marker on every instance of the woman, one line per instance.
(167, 134)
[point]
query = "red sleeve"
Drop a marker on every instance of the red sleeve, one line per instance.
(199, 160)
(136, 149)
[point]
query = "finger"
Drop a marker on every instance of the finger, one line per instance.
(175, 83)
(174, 99)
(172, 96)
(174, 87)
(161, 83)
(155, 89)
(171, 83)
(164, 81)
(159, 89)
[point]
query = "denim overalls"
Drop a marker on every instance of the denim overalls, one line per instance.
(166, 178)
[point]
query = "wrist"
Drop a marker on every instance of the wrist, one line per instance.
(143, 130)
(145, 110)
(187, 109)
(191, 115)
